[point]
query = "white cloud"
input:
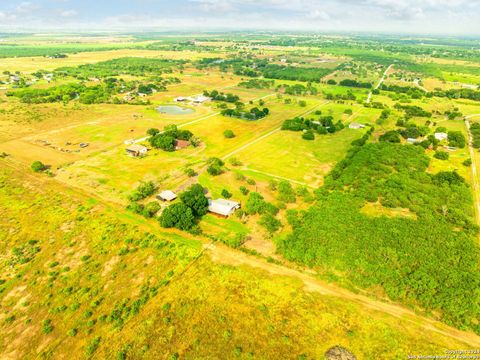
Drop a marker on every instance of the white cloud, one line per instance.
(68, 13)
(26, 7)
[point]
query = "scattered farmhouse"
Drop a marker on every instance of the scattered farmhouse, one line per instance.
(356, 125)
(223, 207)
(136, 150)
(440, 136)
(167, 195)
(181, 144)
(198, 99)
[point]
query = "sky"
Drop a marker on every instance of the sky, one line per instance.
(455, 17)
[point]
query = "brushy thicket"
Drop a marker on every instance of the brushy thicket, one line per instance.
(431, 261)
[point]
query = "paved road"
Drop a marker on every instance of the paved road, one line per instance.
(379, 83)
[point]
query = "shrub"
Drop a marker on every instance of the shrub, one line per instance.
(226, 194)
(144, 190)
(391, 136)
(235, 162)
(286, 192)
(151, 209)
(270, 223)
(214, 170)
(308, 135)
(47, 326)
(153, 131)
(38, 166)
(190, 172)
(244, 190)
(441, 155)
(467, 162)
(228, 134)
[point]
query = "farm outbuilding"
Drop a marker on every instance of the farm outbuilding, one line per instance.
(223, 207)
(167, 195)
(136, 150)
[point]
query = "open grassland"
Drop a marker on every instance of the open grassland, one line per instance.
(85, 276)
(286, 154)
(96, 282)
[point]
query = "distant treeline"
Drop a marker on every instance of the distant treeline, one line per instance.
(122, 66)
(11, 50)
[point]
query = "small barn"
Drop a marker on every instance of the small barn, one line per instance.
(356, 125)
(136, 150)
(167, 195)
(222, 207)
(181, 144)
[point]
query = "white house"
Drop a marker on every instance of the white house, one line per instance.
(356, 125)
(199, 99)
(222, 207)
(440, 136)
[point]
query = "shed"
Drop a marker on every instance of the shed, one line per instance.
(440, 136)
(181, 144)
(356, 125)
(222, 207)
(136, 150)
(167, 195)
(412, 141)
(180, 99)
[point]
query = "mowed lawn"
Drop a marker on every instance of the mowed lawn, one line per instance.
(286, 154)
(113, 174)
(211, 130)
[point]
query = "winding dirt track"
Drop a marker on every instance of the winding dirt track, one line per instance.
(228, 256)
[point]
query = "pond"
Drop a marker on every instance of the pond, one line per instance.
(174, 110)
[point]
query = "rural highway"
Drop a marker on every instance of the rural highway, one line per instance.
(379, 83)
(476, 187)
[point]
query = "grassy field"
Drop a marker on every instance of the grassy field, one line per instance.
(67, 297)
(86, 278)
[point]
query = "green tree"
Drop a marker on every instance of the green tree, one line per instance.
(195, 199)
(38, 166)
(179, 216)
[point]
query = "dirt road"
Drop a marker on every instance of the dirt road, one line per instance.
(369, 98)
(475, 185)
(228, 256)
